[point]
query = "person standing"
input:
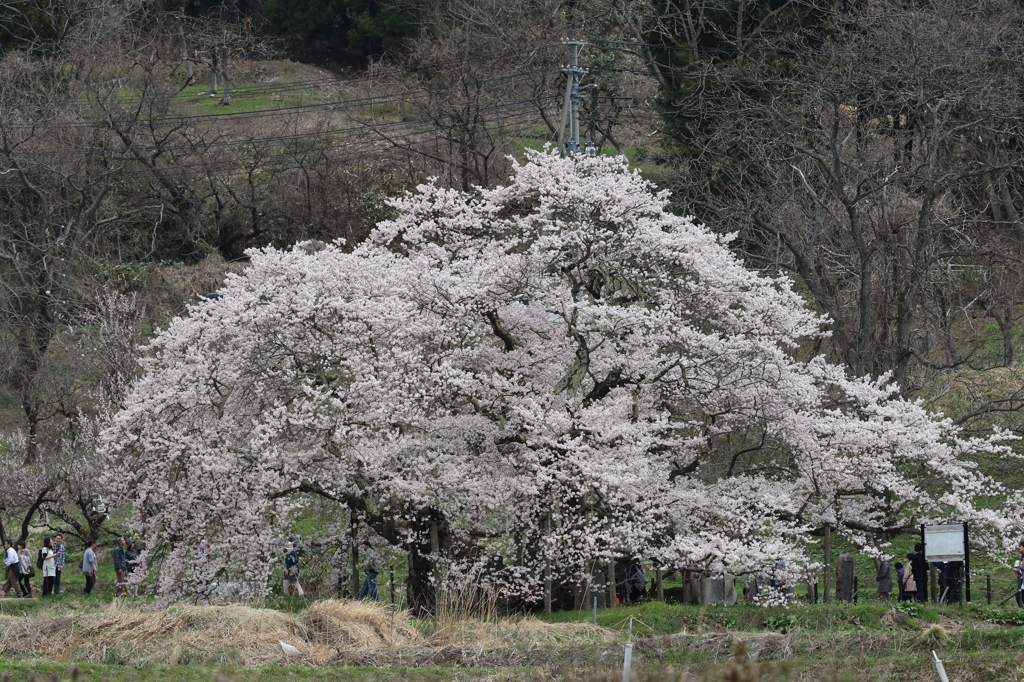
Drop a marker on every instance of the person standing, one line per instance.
(89, 567)
(291, 571)
(1018, 569)
(121, 568)
(131, 554)
(371, 569)
(919, 568)
(884, 577)
(12, 565)
(59, 559)
(900, 594)
(636, 581)
(909, 584)
(25, 568)
(49, 558)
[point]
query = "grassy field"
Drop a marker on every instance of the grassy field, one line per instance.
(131, 639)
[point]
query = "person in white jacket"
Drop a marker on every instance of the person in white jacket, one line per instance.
(49, 558)
(13, 572)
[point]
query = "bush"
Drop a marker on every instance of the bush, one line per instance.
(781, 622)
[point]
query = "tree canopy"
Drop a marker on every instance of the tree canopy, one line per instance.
(537, 375)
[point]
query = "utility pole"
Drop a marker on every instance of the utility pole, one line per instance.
(571, 102)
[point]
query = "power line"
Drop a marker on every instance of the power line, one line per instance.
(349, 137)
(331, 105)
(993, 48)
(435, 65)
(361, 126)
(401, 144)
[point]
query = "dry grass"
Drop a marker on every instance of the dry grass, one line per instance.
(328, 632)
(213, 635)
(519, 633)
(468, 615)
(358, 625)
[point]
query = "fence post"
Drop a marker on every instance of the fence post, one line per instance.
(988, 589)
(612, 591)
(856, 590)
(828, 560)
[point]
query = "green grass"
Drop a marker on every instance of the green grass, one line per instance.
(196, 99)
(23, 671)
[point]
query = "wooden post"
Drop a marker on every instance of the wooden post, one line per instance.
(659, 584)
(548, 589)
(933, 582)
(611, 583)
(828, 563)
(435, 548)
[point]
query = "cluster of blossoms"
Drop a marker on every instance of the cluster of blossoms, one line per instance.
(532, 377)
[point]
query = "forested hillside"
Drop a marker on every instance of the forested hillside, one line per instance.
(872, 152)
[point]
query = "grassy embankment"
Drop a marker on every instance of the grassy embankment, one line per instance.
(131, 639)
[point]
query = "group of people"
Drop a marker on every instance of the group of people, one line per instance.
(20, 566)
(51, 562)
(913, 577)
(369, 565)
(126, 560)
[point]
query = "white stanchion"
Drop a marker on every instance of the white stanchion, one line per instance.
(939, 668)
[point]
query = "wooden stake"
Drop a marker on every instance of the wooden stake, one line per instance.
(611, 583)
(828, 563)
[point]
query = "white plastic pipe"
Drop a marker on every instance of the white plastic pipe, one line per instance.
(939, 668)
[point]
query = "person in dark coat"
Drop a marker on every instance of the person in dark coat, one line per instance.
(884, 577)
(919, 567)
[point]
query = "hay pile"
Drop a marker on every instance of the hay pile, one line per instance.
(210, 635)
(342, 624)
(328, 633)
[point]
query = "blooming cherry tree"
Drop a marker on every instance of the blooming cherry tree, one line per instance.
(521, 381)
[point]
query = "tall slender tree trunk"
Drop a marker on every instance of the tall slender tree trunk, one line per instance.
(214, 65)
(225, 73)
(189, 71)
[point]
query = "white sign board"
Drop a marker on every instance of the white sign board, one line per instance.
(944, 543)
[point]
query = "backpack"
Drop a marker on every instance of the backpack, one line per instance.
(39, 560)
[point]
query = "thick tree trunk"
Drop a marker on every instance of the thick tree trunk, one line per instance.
(432, 543)
(353, 532)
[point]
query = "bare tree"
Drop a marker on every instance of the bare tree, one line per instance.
(869, 160)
